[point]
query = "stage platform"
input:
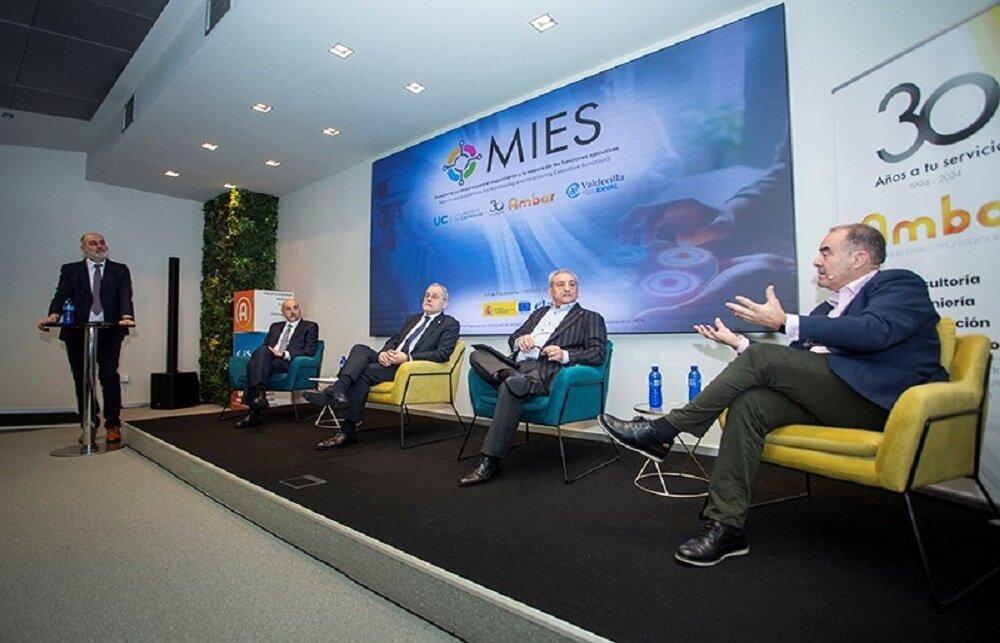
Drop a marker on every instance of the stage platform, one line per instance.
(528, 557)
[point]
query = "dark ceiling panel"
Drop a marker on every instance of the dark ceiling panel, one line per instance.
(6, 96)
(19, 11)
(12, 41)
(28, 100)
(69, 50)
(98, 24)
(148, 8)
(70, 67)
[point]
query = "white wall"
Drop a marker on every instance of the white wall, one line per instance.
(45, 205)
(324, 229)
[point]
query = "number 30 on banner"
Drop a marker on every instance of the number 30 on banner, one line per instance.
(921, 119)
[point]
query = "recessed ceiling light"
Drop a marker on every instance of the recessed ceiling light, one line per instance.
(172, 174)
(543, 22)
(341, 50)
(331, 131)
(229, 186)
(211, 147)
(261, 107)
(415, 88)
(272, 162)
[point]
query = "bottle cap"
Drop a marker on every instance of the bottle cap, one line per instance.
(654, 366)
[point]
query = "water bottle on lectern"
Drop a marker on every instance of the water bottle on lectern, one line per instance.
(69, 312)
(343, 360)
(655, 387)
(694, 382)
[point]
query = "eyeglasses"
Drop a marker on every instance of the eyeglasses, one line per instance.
(432, 295)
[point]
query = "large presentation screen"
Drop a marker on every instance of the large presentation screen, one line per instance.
(663, 183)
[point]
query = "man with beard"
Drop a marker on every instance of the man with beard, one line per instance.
(101, 291)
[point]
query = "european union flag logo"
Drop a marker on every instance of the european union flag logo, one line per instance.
(524, 306)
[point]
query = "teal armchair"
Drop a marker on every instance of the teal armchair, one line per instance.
(296, 379)
(578, 393)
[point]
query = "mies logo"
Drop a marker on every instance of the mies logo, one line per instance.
(462, 162)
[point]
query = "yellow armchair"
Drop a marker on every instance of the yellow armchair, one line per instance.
(934, 433)
(422, 382)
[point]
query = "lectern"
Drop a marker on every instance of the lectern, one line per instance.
(87, 390)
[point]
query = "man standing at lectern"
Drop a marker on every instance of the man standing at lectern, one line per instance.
(430, 335)
(101, 291)
(284, 342)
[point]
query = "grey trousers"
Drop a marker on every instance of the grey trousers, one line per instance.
(765, 387)
(507, 415)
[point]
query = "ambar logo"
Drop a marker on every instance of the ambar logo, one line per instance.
(953, 221)
(242, 313)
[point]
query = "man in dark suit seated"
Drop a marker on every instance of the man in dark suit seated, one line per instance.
(552, 337)
(101, 291)
(429, 335)
(284, 342)
(849, 361)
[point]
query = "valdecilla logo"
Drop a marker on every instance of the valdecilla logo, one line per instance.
(462, 162)
(573, 190)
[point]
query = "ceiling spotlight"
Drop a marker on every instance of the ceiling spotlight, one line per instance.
(415, 88)
(543, 22)
(272, 162)
(229, 186)
(211, 147)
(340, 50)
(172, 174)
(260, 107)
(331, 131)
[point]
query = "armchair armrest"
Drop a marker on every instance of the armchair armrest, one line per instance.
(949, 412)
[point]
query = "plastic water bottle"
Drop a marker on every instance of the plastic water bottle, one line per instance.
(343, 360)
(694, 382)
(655, 387)
(69, 312)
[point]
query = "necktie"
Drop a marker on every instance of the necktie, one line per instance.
(95, 304)
(283, 340)
(414, 335)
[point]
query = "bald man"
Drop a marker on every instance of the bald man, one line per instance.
(284, 342)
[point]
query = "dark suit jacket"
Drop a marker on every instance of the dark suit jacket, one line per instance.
(886, 340)
(436, 344)
(303, 340)
(582, 333)
(74, 284)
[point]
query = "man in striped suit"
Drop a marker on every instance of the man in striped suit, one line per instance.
(552, 337)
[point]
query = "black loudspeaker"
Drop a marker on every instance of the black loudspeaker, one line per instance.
(173, 390)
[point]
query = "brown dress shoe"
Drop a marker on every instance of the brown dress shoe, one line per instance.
(338, 441)
(114, 435)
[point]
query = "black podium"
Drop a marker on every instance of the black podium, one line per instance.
(88, 391)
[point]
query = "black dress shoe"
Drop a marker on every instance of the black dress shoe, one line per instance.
(715, 543)
(249, 421)
(521, 385)
(338, 401)
(638, 435)
(316, 398)
(338, 441)
(485, 471)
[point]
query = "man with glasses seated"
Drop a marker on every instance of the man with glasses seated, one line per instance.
(430, 335)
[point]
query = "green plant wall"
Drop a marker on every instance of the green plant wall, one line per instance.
(240, 253)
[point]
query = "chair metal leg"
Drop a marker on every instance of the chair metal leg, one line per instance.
(404, 418)
(940, 601)
(468, 433)
(562, 454)
(796, 496)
